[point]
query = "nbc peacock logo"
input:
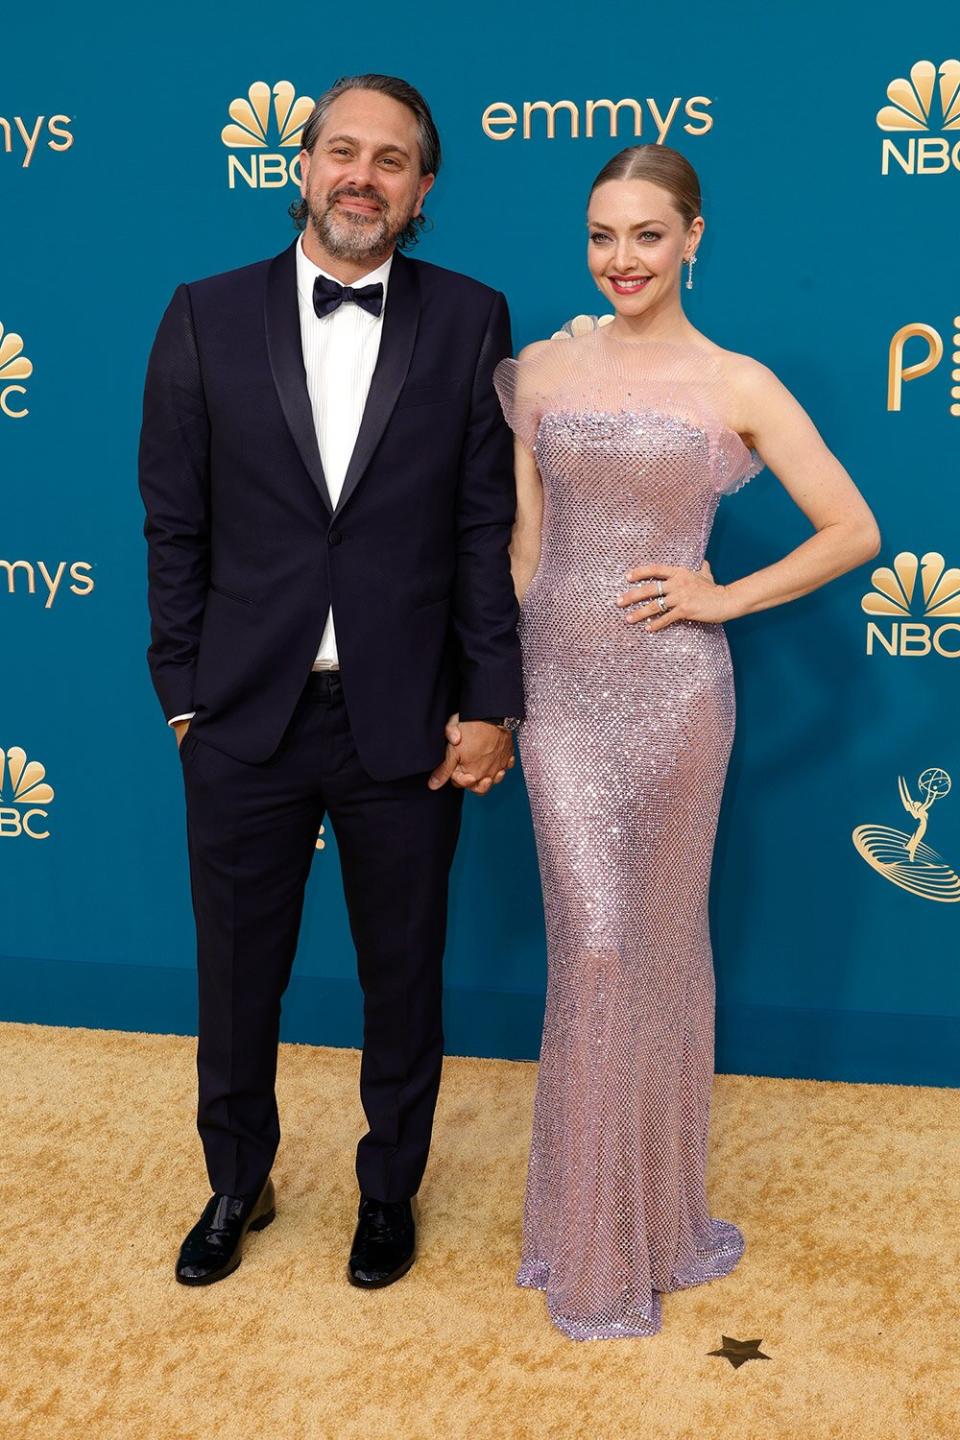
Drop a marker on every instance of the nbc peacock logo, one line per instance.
(14, 367)
(896, 600)
(904, 859)
(913, 113)
(262, 124)
(24, 791)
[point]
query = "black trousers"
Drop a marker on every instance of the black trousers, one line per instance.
(251, 832)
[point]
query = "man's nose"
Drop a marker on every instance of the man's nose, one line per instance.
(361, 173)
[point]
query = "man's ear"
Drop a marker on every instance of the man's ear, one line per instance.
(426, 183)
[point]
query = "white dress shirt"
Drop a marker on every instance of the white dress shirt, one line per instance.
(339, 355)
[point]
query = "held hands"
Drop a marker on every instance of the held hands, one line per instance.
(687, 595)
(478, 756)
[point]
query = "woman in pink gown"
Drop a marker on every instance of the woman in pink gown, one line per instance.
(628, 434)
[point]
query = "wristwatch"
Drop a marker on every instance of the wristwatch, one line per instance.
(504, 722)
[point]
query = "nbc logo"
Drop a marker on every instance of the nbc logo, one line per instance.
(23, 784)
(249, 131)
(909, 118)
(14, 366)
(897, 372)
(904, 859)
(894, 596)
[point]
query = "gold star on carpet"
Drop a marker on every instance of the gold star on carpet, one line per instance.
(739, 1351)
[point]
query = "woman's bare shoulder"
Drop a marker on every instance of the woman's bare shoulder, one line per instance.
(743, 372)
(753, 391)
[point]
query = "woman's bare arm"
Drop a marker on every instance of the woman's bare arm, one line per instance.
(525, 540)
(772, 421)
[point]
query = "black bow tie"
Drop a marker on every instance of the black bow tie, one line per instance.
(329, 294)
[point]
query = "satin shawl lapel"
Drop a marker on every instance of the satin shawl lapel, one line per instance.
(401, 316)
(282, 317)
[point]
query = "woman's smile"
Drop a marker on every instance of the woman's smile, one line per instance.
(629, 284)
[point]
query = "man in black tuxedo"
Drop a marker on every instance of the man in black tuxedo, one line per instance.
(329, 497)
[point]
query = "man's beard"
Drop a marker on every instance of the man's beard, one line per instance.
(351, 236)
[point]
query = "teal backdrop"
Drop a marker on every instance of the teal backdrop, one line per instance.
(826, 235)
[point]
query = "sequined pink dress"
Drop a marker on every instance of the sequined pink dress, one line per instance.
(624, 753)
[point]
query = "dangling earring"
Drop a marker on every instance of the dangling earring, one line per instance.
(690, 264)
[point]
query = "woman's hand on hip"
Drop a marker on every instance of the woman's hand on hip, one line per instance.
(687, 595)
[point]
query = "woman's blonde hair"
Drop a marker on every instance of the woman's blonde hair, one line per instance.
(661, 166)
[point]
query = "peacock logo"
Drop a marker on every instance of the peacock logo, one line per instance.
(24, 790)
(250, 130)
(896, 598)
(894, 593)
(910, 114)
(14, 367)
(912, 99)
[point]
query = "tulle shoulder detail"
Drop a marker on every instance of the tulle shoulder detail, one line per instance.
(525, 387)
(583, 368)
(735, 464)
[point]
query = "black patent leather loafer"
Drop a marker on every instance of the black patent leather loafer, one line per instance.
(214, 1247)
(384, 1244)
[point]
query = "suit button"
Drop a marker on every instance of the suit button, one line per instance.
(334, 537)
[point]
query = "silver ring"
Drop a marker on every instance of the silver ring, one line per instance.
(662, 605)
(659, 586)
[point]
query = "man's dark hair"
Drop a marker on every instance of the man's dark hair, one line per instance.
(398, 90)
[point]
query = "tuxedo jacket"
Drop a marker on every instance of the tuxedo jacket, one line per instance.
(245, 553)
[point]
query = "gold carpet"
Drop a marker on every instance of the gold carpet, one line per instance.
(848, 1195)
